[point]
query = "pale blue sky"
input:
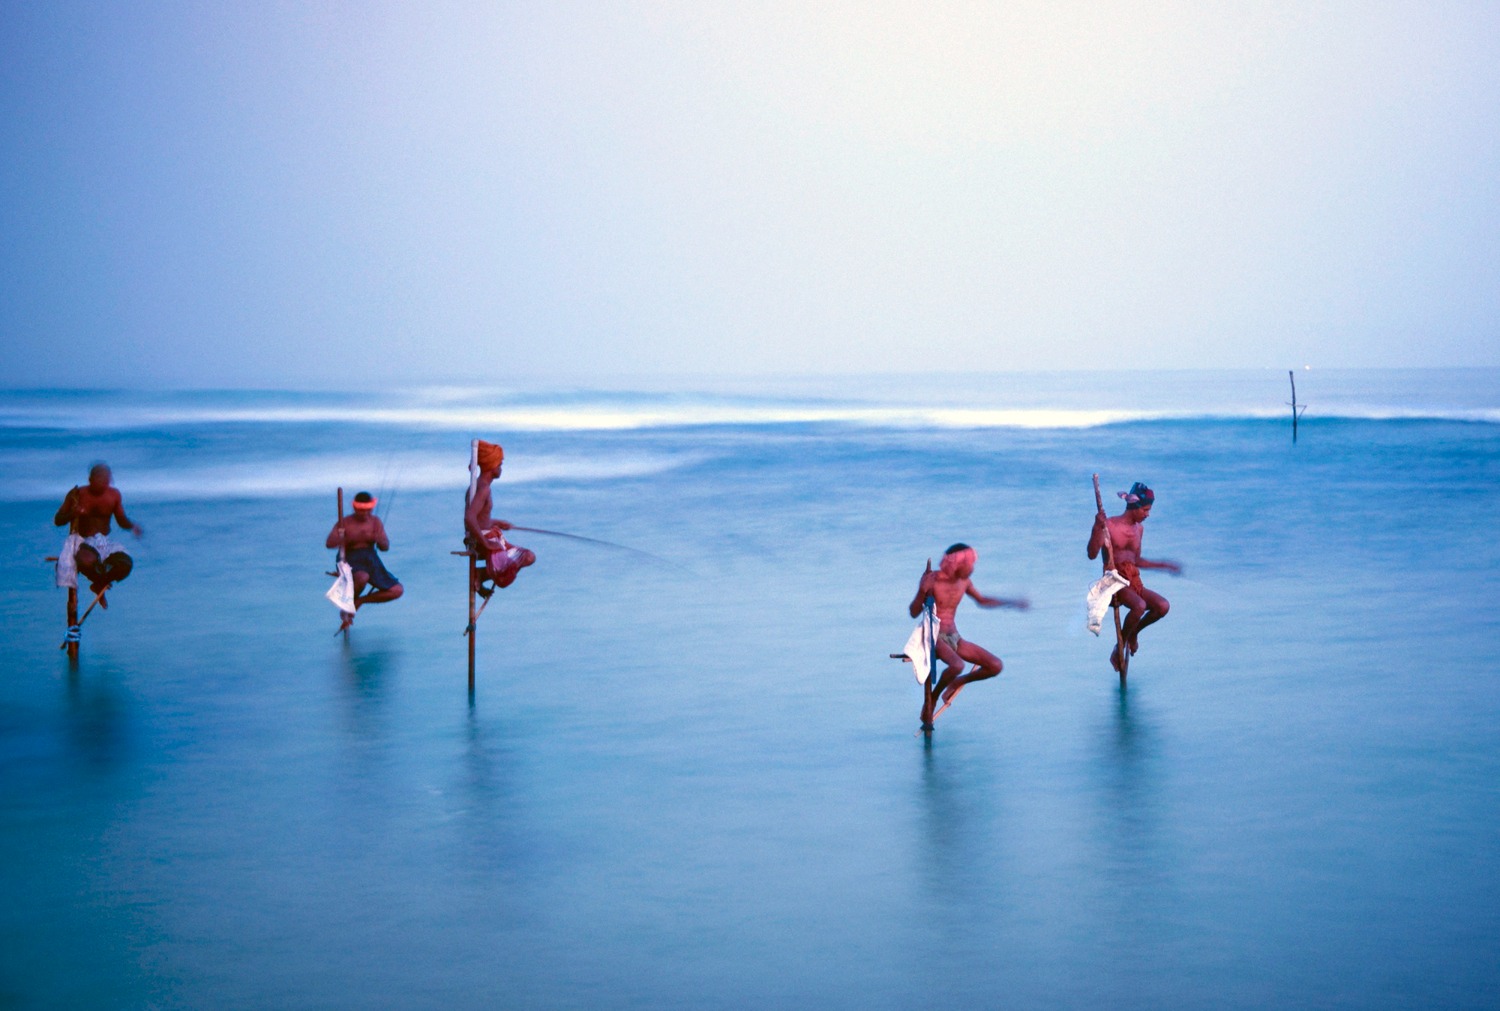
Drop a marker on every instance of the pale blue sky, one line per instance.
(314, 194)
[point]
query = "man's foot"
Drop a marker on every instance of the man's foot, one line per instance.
(927, 726)
(346, 622)
(1114, 659)
(1132, 644)
(485, 591)
(949, 694)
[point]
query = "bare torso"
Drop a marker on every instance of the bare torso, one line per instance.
(360, 531)
(89, 512)
(1125, 542)
(947, 592)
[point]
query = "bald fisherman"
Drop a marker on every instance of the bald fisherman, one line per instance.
(503, 560)
(88, 550)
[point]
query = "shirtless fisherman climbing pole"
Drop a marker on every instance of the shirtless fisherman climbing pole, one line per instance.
(362, 536)
(1146, 606)
(503, 560)
(88, 550)
(948, 587)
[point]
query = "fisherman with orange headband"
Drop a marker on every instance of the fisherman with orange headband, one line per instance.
(503, 560)
(361, 535)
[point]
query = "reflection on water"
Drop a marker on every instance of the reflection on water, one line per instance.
(97, 719)
(950, 822)
(365, 674)
(1127, 771)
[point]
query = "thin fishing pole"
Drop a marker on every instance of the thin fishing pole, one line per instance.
(594, 540)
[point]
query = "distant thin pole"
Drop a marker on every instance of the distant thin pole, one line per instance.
(1297, 408)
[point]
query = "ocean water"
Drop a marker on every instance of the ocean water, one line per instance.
(694, 782)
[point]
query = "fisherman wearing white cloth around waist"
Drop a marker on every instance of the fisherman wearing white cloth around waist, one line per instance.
(948, 586)
(88, 550)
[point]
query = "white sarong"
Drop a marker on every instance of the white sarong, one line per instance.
(1100, 594)
(921, 646)
(67, 555)
(342, 590)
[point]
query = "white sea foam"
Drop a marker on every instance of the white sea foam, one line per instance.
(315, 475)
(603, 417)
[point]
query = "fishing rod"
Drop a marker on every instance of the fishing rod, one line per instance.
(594, 540)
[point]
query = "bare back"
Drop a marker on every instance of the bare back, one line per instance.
(477, 513)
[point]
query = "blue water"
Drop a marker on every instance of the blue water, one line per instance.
(696, 784)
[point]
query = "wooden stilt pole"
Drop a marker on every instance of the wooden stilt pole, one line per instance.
(1109, 563)
(345, 628)
(72, 643)
(473, 631)
(473, 577)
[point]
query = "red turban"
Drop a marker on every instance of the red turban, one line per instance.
(490, 455)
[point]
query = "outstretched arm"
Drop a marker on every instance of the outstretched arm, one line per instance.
(1020, 603)
(1160, 563)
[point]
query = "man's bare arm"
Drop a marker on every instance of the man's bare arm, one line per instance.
(335, 536)
(1160, 563)
(123, 520)
(381, 540)
(1020, 603)
(924, 588)
(68, 510)
(1097, 538)
(472, 510)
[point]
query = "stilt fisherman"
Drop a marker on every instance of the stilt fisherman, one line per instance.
(89, 551)
(503, 560)
(362, 536)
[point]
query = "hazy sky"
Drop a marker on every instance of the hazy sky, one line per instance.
(311, 193)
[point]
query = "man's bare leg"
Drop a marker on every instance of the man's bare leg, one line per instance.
(527, 557)
(953, 664)
(1146, 608)
(89, 565)
(379, 596)
(1135, 609)
(986, 665)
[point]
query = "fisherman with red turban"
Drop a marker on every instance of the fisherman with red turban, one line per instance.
(503, 560)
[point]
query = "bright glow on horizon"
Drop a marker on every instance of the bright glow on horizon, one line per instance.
(317, 195)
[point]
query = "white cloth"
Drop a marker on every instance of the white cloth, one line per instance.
(1100, 594)
(67, 555)
(921, 648)
(342, 590)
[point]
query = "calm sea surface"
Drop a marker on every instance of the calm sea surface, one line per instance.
(695, 783)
